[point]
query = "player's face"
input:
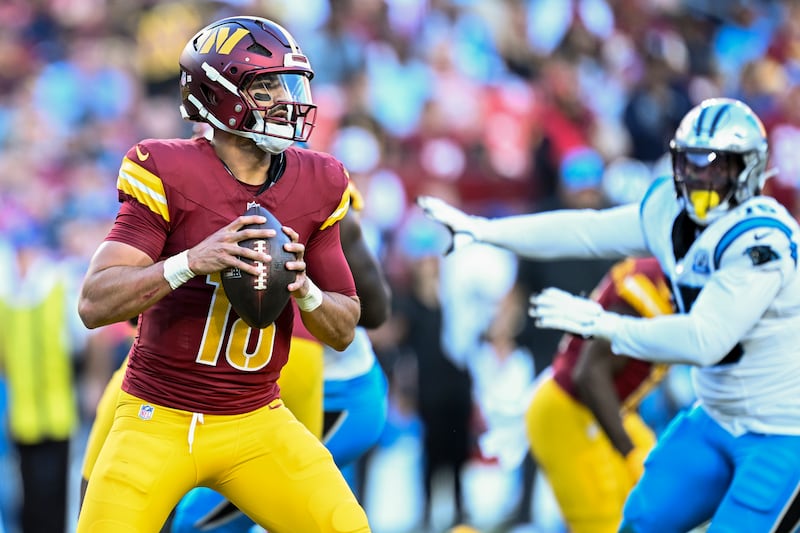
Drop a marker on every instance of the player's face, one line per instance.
(707, 177)
(267, 92)
(280, 105)
(708, 170)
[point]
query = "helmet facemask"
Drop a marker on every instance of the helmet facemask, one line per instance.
(707, 181)
(280, 110)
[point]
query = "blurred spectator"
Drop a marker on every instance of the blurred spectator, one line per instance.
(578, 185)
(660, 98)
(744, 35)
(161, 32)
(566, 123)
(337, 52)
(37, 345)
(503, 373)
(784, 135)
(60, 90)
(506, 103)
(444, 390)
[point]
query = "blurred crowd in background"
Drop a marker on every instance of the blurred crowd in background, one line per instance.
(499, 106)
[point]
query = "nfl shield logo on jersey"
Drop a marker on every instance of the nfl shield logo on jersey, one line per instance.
(146, 412)
(701, 265)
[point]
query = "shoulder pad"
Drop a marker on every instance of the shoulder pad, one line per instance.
(762, 241)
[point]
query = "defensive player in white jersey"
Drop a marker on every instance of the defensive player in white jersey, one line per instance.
(730, 256)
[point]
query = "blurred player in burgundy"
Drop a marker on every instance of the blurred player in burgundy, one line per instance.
(199, 403)
(583, 425)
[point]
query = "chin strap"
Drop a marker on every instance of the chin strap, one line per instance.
(268, 144)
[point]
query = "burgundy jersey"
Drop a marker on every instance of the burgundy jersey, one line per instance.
(639, 286)
(193, 352)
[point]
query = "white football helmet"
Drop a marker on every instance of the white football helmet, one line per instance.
(719, 158)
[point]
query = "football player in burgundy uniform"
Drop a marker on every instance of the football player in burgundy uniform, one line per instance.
(200, 404)
(355, 399)
(583, 426)
(730, 256)
(355, 409)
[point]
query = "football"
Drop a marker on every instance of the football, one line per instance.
(258, 300)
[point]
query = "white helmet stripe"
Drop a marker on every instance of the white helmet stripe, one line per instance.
(214, 75)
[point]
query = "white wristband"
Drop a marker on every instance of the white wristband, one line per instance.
(176, 269)
(312, 300)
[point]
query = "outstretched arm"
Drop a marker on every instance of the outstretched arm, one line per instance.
(702, 337)
(567, 233)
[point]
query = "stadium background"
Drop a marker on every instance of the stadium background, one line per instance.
(500, 106)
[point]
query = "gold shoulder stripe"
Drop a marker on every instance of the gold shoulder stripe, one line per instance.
(356, 199)
(647, 298)
(339, 212)
(135, 180)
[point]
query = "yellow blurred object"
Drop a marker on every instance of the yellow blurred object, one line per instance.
(161, 34)
(635, 461)
(704, 201)
(463, 528)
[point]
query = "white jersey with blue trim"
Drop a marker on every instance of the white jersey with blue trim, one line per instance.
(356, 360)
(736, 288)
(746, 264)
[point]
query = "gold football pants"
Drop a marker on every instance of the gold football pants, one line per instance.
(589, 477)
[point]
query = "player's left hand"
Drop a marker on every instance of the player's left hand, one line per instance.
(556, 309)
(464, 228)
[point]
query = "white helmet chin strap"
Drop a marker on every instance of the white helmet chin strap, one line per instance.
(272, 145)
(276, 137)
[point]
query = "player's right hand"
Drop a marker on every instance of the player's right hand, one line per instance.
(554, 308)
(464, 228)
(221, 249)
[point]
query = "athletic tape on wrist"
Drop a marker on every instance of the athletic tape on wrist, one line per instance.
(312, 300)
(177, 271)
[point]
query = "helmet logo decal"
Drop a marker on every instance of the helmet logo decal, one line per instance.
(222, 42)
(714, 122)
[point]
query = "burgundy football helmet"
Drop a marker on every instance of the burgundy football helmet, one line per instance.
(248, 76)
